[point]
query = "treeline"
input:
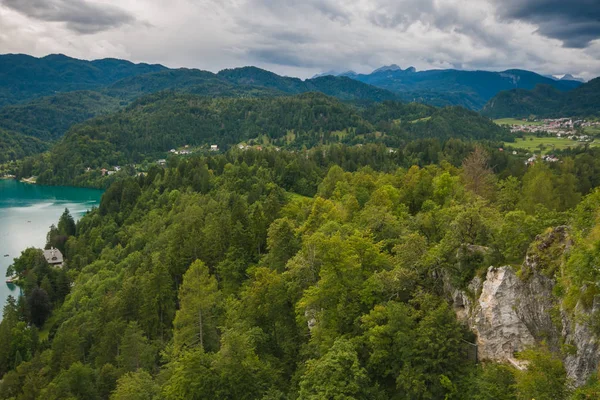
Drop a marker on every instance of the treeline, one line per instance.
(272, 275)
(153, 125)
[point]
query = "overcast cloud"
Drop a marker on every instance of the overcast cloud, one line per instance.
(302, 38)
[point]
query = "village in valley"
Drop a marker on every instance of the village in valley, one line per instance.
(140, 169)
(535, 140)
(540, 138)
(560, 127)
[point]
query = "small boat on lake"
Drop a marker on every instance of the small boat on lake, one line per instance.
(6, 255)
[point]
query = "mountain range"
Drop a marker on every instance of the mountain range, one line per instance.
(43, 98)
(442, 87)
(23, 77)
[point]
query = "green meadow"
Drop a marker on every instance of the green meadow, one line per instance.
(592, 130)
(546, 145)
(514, 121)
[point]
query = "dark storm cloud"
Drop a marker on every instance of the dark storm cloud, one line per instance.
(80, 16)
(575, 22)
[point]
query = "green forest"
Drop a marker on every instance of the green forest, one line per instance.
(42, 98)
(14, 146)
(546, 101)
(315, 239)
(146, 130)
(296, 275)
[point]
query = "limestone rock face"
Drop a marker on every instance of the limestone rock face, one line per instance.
(581, 337)
(500, 331)
(510, 313)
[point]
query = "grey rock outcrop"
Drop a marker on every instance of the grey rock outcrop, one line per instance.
(510, 313)
(500, 331)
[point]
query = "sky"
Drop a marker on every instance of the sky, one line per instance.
(302, 38)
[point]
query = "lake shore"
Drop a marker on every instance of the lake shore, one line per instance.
(26, 213)
(31, 180)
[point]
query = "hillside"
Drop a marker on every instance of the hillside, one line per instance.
(341, 87)
(544, 101)
(347, 89)
(48, 118)
(14, 146)
(23, 77)
(112, 84)
(51, 116)
(470, 89)
(194, 81)
(154, 124)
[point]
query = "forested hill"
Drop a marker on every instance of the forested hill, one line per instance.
(50, 116)
(184, 80)
(545, 101)
(341, 87)
(154, 124)
(23, 77)
(244, 82)
(14, 146)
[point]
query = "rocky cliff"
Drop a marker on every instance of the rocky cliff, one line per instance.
(511, 310)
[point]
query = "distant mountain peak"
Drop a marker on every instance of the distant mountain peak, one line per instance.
(326, 73)
(348, 73)
(393, 67)
(569, 77)
(332, 72)
(57, 56)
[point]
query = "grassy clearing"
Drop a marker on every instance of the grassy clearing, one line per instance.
(420, 120)
(290, 137)
(44, 333)
(514, 121)
(592, 130)
(545, 144)
(339, 134)
(294, 197)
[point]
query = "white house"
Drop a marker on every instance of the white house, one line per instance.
(54, 257)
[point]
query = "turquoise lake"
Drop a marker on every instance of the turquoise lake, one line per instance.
(26, 213)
